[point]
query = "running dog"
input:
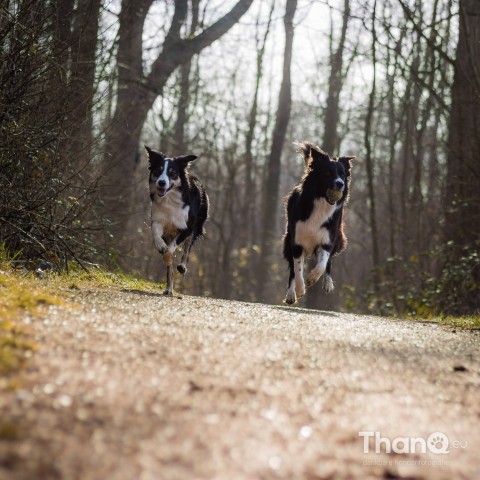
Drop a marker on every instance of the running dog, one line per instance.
(314, 212)
(179, 209)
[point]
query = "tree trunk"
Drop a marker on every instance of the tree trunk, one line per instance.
(271, 189)
(332, 115)
(61, 42)
(82, 84)
(136, 94)
(462, 194)
(335, 84)
(184, 100)
(369, 161)
(249, 183)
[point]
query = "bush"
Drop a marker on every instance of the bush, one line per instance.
(43, 199)
(440, 283)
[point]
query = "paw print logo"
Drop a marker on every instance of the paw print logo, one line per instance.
(438, 443)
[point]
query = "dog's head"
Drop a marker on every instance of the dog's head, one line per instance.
(327, 176)
(166, 174)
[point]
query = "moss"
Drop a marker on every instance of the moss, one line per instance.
(13, 351)
(18, 295)
(77, 279)
(471, 322)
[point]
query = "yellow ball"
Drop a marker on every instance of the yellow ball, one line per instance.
(334, 195)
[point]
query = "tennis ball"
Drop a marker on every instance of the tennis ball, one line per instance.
(334, 195)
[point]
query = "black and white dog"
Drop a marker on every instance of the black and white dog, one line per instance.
(314, 214)
(179, 208)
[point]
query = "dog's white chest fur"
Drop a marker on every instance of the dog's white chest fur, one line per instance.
(309, 233)
(170, 213)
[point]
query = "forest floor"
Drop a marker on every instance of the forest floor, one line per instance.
(129, 384)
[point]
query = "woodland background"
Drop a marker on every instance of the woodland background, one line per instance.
(85, 83)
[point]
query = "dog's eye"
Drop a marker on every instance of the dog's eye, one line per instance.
(173, 175)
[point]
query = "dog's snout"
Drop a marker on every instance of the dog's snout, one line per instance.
(161, 183)
(339, 183)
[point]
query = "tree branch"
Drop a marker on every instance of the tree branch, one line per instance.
(176, 53)
(418, 29)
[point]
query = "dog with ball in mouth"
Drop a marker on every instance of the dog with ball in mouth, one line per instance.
(314, 212)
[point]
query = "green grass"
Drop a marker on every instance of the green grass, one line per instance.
(98, 278)
(17, 297)
(471, 322)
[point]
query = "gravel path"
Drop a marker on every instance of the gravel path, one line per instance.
(134, 385)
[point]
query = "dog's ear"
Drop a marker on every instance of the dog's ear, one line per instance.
(154, 157)
(305, 150)
(184, 160)
(347, 163)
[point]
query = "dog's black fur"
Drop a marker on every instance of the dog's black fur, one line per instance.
(179, 208)
(314, 214)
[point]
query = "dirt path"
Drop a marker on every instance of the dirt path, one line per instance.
(133, 385)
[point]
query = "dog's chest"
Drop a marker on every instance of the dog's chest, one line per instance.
(309, 233)
(170, 212)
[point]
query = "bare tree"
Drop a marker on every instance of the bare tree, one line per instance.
(332, 115)
(335, 84)
(369, 154)
(271, 187)
(137, 91)
(462, 195)
(185, 84)
(249, 195)
(82, 84)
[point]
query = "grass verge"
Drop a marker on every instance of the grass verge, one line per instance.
(471, 322)
(18, 296)
(26, 294)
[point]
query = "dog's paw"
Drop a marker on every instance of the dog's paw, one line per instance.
(168, 293)
(162, 249)
(291, 298)
(313, 277)
(181, 268)
(328, 284)
(300, 290)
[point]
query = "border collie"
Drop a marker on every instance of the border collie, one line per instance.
(314, 214)
(179, 208)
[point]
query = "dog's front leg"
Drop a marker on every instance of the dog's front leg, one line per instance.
(181, 238)
(168, 260)
(157, 231)
(322, 257)
(299, 281)
(182, 266)
(296, 285)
